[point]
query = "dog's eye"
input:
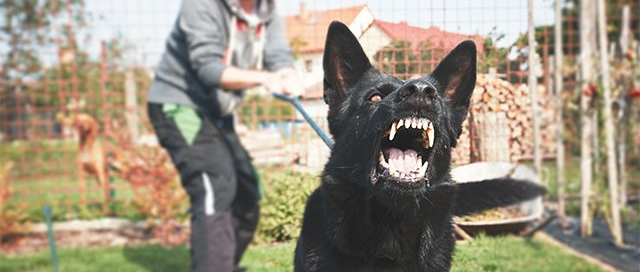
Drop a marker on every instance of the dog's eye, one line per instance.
(375, 98)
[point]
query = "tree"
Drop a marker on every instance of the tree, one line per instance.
(32, 29)
(493, 56)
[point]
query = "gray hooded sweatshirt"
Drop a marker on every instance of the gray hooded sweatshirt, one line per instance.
(196, 51)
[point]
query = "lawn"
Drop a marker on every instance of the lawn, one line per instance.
(483, 254)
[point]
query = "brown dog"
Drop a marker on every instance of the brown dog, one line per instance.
(91, 157)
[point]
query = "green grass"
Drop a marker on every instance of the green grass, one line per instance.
(516, 254)
(483, 254)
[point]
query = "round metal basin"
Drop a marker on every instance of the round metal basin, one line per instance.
(532, 209)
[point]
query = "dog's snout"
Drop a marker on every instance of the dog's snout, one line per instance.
(417, 87)
(409, 89)
(428, 89)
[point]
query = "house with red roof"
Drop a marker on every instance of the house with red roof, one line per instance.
(307, 31)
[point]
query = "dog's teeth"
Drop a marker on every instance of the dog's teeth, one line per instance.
(392, 166)
(400, 123)
(423, 169)
(383, 162)
(407, 122)
(419, 126)
(430, 134)
(414, 123)
(392, 133)
(425, 124)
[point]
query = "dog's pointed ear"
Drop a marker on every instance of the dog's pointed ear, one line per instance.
(456, 75)
(344, 62)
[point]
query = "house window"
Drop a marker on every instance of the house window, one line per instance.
(308, 65)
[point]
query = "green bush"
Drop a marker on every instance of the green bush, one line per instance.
(286, 194)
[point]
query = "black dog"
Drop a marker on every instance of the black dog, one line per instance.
(386, 199)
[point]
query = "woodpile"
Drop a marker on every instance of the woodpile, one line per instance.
(502, 126)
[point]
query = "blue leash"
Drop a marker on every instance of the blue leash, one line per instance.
(296, 103)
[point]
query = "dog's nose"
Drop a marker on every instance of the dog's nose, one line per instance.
(416, 87)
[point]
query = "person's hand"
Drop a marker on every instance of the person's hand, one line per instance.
(273, 83)
(291, 83)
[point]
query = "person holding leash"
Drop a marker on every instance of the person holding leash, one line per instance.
(216, 50)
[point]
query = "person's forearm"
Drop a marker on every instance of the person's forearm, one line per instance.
(239, 79)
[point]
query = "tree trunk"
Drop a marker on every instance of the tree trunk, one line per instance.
(612, 171)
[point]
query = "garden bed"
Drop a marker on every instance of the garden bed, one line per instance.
(106, 232)
(600, 246)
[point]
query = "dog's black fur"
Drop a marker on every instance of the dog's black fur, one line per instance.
(362, 220)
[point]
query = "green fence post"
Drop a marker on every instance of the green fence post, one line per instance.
(52, 241)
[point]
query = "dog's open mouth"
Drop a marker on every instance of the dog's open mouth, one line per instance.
(405, 150)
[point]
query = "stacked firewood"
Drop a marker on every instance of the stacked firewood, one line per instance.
(497, 103)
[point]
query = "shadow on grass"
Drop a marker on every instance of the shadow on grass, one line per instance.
(533, 244)
(156, 258)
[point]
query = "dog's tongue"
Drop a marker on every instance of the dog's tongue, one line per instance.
(404, 161)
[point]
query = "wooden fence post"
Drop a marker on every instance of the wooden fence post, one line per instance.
(558, 78)
(533, 91)
(622, 140)
(612, 170)
(587, 40)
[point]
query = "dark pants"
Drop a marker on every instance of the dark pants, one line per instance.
(217, 173)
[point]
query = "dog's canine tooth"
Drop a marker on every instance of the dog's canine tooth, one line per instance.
(383, 162)
(392, 132)
(430, 134)
(423, 169)
(400, 123)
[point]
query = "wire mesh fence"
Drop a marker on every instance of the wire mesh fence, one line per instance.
(63, 58)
